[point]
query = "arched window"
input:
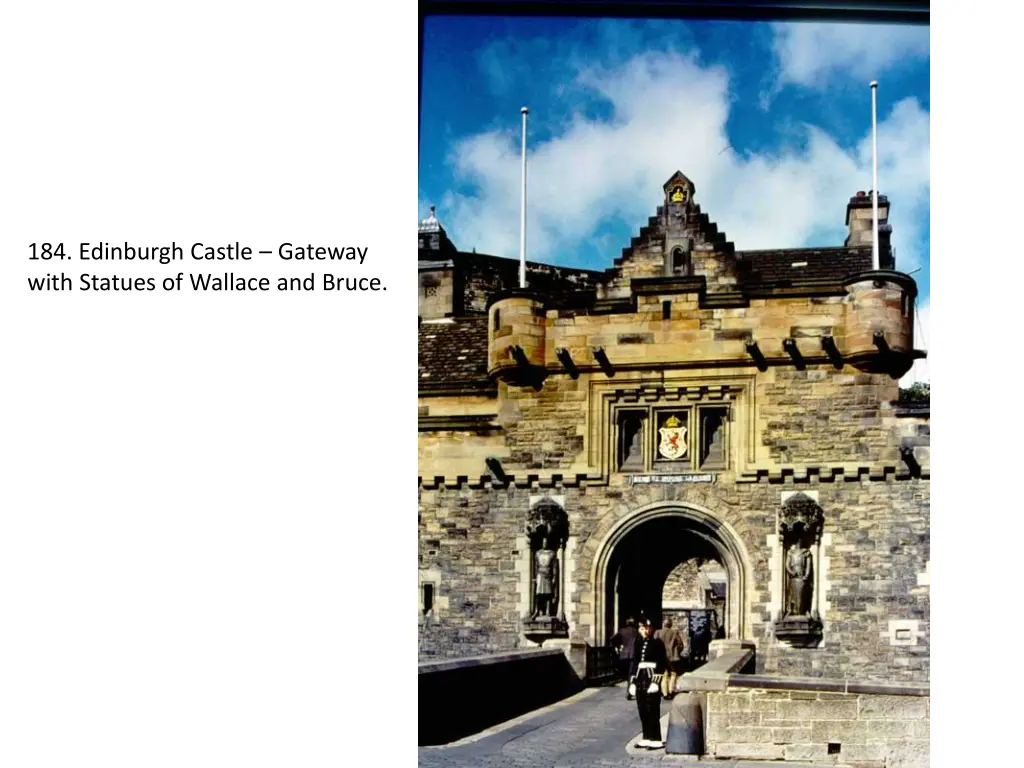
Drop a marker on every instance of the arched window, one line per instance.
(680, 262)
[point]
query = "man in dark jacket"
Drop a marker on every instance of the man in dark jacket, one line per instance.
(672, 639)
(645, 673)
(623, 641)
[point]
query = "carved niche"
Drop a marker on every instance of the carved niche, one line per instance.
(800, 526)
(547, 528)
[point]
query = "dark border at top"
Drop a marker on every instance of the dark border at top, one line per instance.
(892, 12)
(879, 11)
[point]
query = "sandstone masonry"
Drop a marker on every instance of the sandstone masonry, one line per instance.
(776, 374)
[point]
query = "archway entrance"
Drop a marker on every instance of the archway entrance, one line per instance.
(676, 561)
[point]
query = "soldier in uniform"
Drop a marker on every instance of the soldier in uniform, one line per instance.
(646, 670)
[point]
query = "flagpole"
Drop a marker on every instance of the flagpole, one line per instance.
(522, 212)
(874, 176)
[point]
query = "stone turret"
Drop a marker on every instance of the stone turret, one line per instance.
(879, 322)
(516, 336)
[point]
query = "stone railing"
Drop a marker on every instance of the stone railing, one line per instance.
(460, 697)
(768, 717)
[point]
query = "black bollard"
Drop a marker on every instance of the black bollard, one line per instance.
(686, 725)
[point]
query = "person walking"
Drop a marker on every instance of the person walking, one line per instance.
(645, 674)
(700, 637)
(672, 639)
(623, 641)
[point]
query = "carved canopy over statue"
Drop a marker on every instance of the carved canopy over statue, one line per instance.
(801, 517)
(547, 527)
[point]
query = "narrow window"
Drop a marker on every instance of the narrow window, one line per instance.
(678, 262)
(428, 599)
(497, 320)
(631, 441)
(713, 423)
(681, 261)
(666, 310)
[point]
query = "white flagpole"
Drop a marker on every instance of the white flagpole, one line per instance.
(522, 213)
(874, 176)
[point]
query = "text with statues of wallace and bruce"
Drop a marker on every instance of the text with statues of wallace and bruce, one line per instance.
(202, 267)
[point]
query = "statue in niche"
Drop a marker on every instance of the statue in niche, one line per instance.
(800, 528)
(799, 584)
(547, 527)
(545, 580)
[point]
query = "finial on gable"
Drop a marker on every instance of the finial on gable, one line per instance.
(679, 190)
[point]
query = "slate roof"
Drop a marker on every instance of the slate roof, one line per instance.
(453, 355)
(764, 268)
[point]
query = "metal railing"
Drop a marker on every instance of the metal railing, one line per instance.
(602, 665)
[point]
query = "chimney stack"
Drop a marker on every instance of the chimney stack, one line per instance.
(858, 220)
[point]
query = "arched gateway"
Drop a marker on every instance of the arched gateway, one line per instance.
(638, 554)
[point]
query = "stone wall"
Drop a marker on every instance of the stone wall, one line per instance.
(876, 545)
(857, 425)
(866, 729)
(800, 419)
(545, 429)
(683, 586)
(436, 293)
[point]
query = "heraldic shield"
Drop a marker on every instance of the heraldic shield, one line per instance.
(673, 439)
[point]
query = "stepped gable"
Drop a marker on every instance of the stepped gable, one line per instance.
(453, 355)
(679, 240)
(643, 239)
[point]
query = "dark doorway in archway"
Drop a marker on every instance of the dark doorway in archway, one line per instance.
(663, 567)
(694, 598)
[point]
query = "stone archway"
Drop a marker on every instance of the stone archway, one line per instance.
(660, 536)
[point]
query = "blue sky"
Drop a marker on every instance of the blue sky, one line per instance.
(772, 122)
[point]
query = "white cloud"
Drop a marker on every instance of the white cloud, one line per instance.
(919, 373)
(670, 113)
(811, 54)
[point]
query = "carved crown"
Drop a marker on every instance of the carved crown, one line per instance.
(679, 189)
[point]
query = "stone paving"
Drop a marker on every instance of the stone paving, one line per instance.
(594, 728)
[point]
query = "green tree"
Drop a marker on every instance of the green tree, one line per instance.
(919, 392)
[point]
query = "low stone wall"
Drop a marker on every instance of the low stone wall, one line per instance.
(765, 717)
(460, 697)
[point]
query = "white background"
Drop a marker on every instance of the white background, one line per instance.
(207, 548)
(208, 538)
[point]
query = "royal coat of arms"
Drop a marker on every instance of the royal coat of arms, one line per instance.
(673, 439)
